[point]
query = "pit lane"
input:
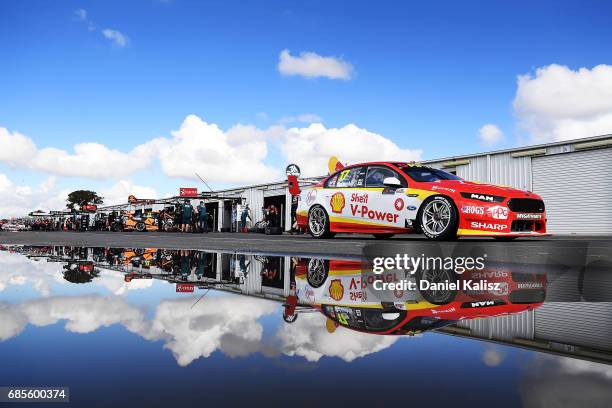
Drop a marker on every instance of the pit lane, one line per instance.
(342, 246)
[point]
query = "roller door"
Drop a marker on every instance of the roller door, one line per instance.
(577, 190)
(579, 324)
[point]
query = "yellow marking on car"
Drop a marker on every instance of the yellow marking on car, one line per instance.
(464, 231)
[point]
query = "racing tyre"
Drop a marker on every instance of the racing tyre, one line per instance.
(434, 295)
(438, 218)
(140, 227)
(383, 236)
(318, 270)
(318, 222)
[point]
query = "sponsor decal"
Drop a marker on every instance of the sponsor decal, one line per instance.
(524, 216)
(359, 198)
(311, 197)
(364, 212)
(434, 311)
(188, 191)
(483, 197)
(529, 285)
(184, 287)
(411, 207)
(309, 294)
(336, 290)
(489, 226)
(483, 303)
(452, 190)
(489, 274)
(472, 209)
(498, 212)
(399, 204)
(337, 202)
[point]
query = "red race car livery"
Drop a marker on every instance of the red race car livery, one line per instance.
(387, 198)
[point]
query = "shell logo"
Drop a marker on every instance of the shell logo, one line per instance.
(399, 204)
(336, 290)
(337, 202)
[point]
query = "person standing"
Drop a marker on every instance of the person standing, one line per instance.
(295, 199)
(243, 218)
(160, 219)
(187, 212)
(202, 218)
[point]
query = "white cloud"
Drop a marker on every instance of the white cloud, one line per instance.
(18, 200)
(312, 146)
(493, 356)
(558, 103)
(490, 135)
(303, 118)
(115, 36)
(238, 155)
(312, 65)
(92, 160)
(119, 192)
(216, 323)
(309, 338)
(13, 322)
(234, 156)
(81, 14)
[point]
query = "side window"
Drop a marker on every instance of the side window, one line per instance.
(378, 174)
(331, 183)
(351, 177)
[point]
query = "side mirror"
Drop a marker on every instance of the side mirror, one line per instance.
(392, 182)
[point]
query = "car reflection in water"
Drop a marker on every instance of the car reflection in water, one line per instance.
(344, 293)
(340, 289)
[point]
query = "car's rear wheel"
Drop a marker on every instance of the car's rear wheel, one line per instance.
(438, 218)
(383, 236)
(140, 226)
(318, 222)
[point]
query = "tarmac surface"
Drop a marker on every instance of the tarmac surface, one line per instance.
(586, 248)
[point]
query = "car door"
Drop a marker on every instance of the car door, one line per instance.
(338, 191)
(385, 206)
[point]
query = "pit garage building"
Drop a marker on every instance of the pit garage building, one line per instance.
(573, 177)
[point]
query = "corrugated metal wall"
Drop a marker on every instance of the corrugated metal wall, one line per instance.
(511, 171)
(254, 198)
(503, 327)
(577, 189)
(475, 171)
(580, 324)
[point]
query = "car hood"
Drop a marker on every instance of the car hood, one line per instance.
(463, 186)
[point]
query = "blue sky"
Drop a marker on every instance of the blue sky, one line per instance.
(424, 75)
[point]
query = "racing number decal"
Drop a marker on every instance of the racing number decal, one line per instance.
(344, 174)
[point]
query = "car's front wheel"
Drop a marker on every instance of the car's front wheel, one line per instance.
(438, 218)
(318, 222)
